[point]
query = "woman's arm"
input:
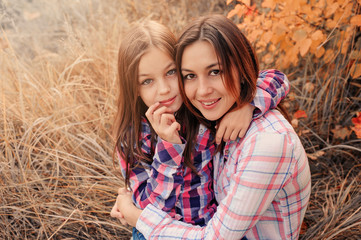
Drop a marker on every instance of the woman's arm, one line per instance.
(262, 169)
(159, 182)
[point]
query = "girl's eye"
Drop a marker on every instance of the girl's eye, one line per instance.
(215, 72)
(189, 76)
(171, 72)
(146, 82)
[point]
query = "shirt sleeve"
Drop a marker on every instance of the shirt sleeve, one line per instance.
(263, 167)
(272, 87)
(160, 181)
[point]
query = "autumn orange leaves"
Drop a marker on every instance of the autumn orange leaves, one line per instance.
(293, 28)
(314, 42)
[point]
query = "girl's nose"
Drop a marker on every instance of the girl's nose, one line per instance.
(164, 86)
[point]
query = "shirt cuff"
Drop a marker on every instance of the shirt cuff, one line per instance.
(261, 102)
(150, 218)
(169, 153)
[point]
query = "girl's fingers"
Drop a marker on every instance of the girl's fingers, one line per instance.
(227, 134)
(154, 115)
(161, 110)
(151, 109)
(242, 133)
(173, 133)
(175, 127)
(167, 119)
(123, 222)
(234, 135)
(220, 133)
(115, 212)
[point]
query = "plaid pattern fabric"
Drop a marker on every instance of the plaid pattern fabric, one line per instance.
(170, 186)
(262, 183)
(272, 87)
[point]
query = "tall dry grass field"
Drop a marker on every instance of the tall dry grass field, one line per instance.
(58, 93)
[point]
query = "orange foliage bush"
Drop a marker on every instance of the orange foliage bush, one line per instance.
(315, 43)
(285, 31)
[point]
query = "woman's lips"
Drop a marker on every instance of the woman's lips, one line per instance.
(168, 102)
(208, 104)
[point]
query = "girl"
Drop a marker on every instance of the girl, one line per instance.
(154, 167)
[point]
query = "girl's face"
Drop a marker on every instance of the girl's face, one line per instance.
(203, 82)
(158, 80)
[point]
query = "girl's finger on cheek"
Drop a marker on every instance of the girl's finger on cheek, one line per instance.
(151, 110)
(161, 110)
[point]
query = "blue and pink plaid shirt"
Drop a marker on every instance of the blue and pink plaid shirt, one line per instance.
(262, 184)
(168, 185)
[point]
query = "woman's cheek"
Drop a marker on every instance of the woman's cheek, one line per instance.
(188, 86)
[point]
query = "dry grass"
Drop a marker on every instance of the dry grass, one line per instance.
(58, 90)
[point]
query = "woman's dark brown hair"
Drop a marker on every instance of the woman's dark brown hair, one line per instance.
(236, 57)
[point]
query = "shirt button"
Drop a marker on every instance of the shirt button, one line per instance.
(201, 130)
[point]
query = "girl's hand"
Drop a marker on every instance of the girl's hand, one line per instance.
(116, 213)
(124, 208)
(234, 124)
(163, 123)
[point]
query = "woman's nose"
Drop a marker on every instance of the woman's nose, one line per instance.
(204, 87)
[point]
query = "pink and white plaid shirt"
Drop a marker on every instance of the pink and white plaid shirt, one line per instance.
(262, 184)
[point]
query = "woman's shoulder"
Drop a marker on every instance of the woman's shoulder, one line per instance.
(272, 122)
(268, 136)
(271, 128)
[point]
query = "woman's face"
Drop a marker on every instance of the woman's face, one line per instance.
(158, 81)
(203, 82)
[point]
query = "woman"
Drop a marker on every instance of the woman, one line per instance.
(262, 181)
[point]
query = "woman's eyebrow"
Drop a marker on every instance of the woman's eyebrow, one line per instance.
(212, 65)
(208, 67)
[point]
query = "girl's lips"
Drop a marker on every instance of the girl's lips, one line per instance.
(208, 104)
(168, 102)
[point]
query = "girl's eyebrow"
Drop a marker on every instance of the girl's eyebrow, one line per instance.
(147, 74)
(208, 67)
(169, 65)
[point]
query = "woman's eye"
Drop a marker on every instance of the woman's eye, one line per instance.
(171, 72)
(146, 82)
(189, 76)
(215, 72)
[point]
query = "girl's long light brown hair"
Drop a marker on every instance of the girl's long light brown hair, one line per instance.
(127, 124)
